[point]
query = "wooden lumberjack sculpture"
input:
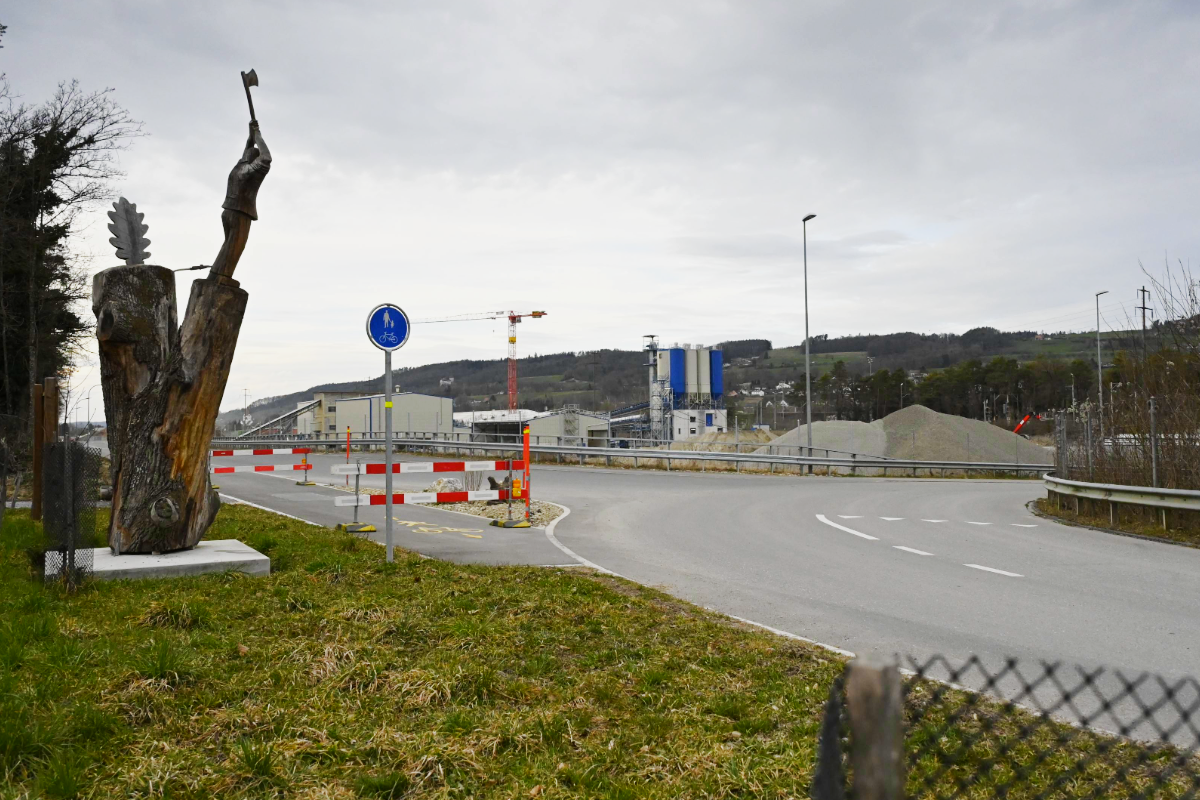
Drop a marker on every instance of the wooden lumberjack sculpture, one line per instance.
(163, 382)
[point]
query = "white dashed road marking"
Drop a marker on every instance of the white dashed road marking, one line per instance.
(911, 550)
(1019, 525)
(833, 524)
(852, 516)
(993, 569)
(891, 519)
(978, 523)
(933, 520)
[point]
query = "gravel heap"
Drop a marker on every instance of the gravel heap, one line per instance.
(862, 438)
(944, 437)
(916, 432)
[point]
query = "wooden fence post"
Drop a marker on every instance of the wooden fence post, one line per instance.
(876, 703)
(50, 410)
(35, 510)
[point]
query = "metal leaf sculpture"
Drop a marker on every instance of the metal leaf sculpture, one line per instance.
(128, 232)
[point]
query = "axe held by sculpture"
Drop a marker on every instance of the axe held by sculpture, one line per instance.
(163, 381)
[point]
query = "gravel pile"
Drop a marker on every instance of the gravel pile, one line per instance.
(862, 438)
(915, 432)
(920, 432)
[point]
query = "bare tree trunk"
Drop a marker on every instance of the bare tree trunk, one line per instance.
(162, 387)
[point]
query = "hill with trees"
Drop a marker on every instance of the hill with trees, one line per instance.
(854, 377)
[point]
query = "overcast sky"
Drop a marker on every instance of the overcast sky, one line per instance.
(636, 167)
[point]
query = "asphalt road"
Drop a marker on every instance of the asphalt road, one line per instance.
(917, 567)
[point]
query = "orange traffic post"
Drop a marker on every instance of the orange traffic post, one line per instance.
(525, 453)
(519, 489)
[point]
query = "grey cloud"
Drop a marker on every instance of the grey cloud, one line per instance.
(951, 150)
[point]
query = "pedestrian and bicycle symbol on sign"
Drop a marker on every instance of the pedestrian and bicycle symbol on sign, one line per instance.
(388, 327)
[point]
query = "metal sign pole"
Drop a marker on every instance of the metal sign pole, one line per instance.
(387, 329)
(387, 438)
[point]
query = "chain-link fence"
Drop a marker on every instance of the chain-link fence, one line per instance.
(70, 486)
(1021, 731)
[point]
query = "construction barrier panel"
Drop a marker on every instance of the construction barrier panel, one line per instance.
(267, 452)
(261, 468)
(410, 498)
(428, 466)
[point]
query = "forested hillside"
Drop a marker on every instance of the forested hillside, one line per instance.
(960, 373)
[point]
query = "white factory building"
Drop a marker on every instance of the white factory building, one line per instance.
(364, 415)
(689, 423)
(567, 426)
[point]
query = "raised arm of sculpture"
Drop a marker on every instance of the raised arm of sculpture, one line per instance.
(163, 382)
(239, 207)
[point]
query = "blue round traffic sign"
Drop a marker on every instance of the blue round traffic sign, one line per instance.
(387, 327)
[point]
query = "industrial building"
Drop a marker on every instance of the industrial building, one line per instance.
(483, 425)
(687, 390)
(364, 414)
(321, 417)
(568, 425)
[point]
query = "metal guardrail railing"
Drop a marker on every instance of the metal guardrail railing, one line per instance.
(1185, 499)
(852, 462)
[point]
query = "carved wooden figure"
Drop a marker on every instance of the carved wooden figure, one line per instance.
(163, 382)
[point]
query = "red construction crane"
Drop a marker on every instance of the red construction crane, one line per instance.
(513, 318)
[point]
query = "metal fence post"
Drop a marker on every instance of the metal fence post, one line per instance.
(1153, 447)
(876, 704)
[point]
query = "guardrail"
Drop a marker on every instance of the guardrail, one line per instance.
(854, 463)
(1183, 499)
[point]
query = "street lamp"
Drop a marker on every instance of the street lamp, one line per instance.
(1099, 365)
(89, 405)
(807, 358)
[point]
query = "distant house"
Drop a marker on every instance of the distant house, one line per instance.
(446, 383)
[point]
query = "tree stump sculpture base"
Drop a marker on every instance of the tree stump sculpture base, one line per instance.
(162, 388)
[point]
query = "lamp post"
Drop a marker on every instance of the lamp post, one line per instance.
(89, 406)
(1099, 365)
(807, 350)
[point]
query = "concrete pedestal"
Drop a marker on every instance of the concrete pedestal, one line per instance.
(222, 555)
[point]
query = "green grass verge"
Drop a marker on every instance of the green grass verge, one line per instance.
(341, 676)
(1139, 521)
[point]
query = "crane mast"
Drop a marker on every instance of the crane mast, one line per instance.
(513, 318)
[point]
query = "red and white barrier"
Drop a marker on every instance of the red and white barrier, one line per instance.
(410, 498)
(267, 452)
(261, 468)
(428, 466)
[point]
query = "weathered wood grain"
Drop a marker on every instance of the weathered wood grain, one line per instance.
(162, 387)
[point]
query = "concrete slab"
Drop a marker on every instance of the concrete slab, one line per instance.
(222, 555)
